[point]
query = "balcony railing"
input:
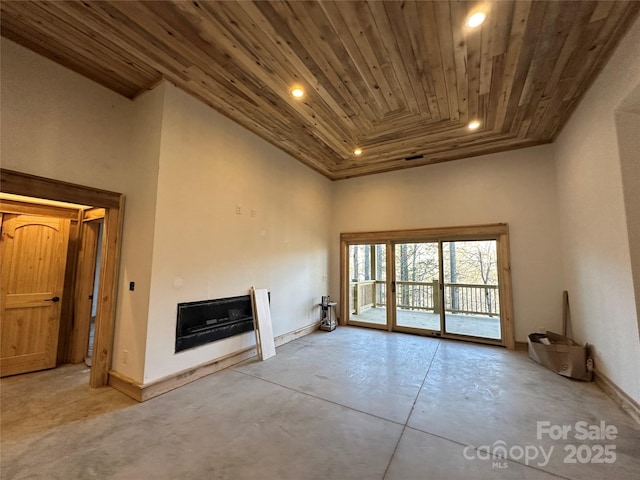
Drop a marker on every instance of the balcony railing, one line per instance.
(474, 299)
(363, 296)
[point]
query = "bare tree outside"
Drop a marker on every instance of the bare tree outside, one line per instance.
(469, 268)
(472, 263)
(416, 270)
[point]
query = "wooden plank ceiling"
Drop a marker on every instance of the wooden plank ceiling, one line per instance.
(397, 79)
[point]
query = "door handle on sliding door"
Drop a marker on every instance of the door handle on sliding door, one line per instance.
(393, 287)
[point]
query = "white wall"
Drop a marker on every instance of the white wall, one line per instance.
(628, 130)
(516, 187)
(59, 125)
(140, 188)
(596, 254)
(203, 249)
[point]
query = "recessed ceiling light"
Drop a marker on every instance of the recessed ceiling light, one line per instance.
(473, 125)
(297, 92)
(357, 151)
(476, 19)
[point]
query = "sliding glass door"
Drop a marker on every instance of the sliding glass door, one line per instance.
(471, 290)
(367, 285)
(450, 282)
(416, 285)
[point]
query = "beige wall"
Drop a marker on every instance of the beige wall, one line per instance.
(138, 230)
(628, 129)
(60, 125)
(596, 251)
(208, 166)
(516, 187)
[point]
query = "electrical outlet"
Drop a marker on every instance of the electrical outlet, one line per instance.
(125, 356)
(253, 212)
(238, 210)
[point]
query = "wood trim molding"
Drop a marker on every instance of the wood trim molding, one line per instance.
(475, 232)
(295, 334)
(18, 183)
(522, 346)
(506, 291)
(84, 286)
(12, 206)
(618, 395)
(344, 286)
(94, 214)
(125, 385)
(147, 391)
(68, 305)
(107, 292)
(392, 298)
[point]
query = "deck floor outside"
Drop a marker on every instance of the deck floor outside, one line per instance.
(470, 325)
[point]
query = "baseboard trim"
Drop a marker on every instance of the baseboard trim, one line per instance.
(147, 391)
(300, 332)
(618, 395)
(523, 346)
(125, 385)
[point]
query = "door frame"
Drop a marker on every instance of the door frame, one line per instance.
(388, 297)
(84, 285)
(495, 231)
(394, 298)
(39, 187)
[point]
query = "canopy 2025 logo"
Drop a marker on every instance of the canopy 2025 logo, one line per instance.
(540, 455)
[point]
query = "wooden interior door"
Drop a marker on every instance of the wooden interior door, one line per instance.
(33, 254)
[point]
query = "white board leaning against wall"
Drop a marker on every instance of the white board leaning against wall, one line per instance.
(262, 323)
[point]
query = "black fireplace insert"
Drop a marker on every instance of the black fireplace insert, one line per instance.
(210, 320)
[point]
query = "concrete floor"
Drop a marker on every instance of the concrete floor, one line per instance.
(473, 325)
(354, 403)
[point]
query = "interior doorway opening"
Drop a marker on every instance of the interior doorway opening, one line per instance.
(107, 208)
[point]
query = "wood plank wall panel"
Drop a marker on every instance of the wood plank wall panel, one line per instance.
(396, 79)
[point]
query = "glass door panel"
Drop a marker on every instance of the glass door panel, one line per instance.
(367, 285)
(417, 272)
(471, 295)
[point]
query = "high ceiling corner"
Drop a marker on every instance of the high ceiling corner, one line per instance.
(392, 79)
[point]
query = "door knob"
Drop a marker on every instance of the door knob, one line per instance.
(54, 299)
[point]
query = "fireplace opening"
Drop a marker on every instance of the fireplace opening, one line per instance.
(206, 321)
